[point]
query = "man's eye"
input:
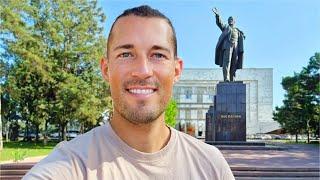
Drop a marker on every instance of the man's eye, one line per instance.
(125, 55)
(159, 56)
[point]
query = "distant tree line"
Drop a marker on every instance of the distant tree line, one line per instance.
(300, 112)
(49, 54)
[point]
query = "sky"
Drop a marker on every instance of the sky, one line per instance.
(280, 34)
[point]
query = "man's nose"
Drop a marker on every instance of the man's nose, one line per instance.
(142, 68)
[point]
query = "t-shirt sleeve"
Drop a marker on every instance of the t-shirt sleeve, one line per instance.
(224, 168)
(226, 172)
(60, 164)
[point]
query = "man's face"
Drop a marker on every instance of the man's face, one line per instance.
(141, 68)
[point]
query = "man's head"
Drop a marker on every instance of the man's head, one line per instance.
(141, 64)
(147, 12)
(231, 21)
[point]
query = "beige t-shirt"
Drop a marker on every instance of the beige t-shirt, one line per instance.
(101, 154)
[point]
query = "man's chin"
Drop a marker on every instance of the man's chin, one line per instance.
(141, 116)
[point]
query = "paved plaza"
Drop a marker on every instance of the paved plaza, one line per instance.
(296, 155)
(293, 162)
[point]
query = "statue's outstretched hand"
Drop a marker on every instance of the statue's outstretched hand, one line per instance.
(215, 10)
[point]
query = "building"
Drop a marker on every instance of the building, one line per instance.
(196, 88)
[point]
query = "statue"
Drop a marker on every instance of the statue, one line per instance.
(229, 49)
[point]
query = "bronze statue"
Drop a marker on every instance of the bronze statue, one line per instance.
(229, 49)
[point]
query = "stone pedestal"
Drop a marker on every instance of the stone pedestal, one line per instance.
(210, 136)
(226, 120)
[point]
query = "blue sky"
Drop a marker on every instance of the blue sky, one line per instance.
(280, 34)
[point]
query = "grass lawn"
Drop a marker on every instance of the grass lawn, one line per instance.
(20, 150)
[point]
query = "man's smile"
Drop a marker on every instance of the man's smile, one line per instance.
(141, 91)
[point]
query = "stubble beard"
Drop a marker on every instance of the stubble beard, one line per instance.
(141, 113)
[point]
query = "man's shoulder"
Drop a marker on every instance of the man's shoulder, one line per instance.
(78, 147)
(195, 144)
(82, 140)
(203, 155)
(69, 158)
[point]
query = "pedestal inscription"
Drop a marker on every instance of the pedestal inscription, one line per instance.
(227, 119)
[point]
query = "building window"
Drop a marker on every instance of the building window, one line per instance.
(200, 114)
(211, 97)
(188, 114)
(188, 94)
(182, 114)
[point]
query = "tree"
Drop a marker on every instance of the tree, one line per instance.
(170, 113)
(28, 87)
(77, 38)
(300, 112)
(289, 118)
(17, 44)
(8, 104)
(54, 46)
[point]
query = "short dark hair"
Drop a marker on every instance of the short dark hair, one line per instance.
(146, 11)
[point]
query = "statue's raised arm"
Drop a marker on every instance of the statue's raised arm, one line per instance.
(219, 22)
(215, 10)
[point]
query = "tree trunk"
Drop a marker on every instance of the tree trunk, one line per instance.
(27, 133)
(81, 128)
(37, 133)
(63, 132)
(308, 131)
(59, 127)
(296, 137)
(60, 136)
(7, 132)
(45, 136)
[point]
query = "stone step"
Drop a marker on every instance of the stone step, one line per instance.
(17, 170)
(9, 172)
(239, 147)
(11, 177)
(274, 174)
(276, 169)
(14, 171)
(277, 178)
(16, 166)
(236, 143)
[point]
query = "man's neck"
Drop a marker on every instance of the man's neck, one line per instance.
(147, 138)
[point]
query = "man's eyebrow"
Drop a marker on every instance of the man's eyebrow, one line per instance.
(124, 46)
(156, 47)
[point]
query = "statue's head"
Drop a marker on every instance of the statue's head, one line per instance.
(231, 21)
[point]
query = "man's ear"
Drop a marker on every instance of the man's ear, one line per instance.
(104, 68)
(178, 69)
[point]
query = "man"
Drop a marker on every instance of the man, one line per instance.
(141, 66)
(229, 49)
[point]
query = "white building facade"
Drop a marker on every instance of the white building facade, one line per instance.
(196, 88)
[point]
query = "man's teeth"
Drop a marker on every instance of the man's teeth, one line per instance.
(141, 91)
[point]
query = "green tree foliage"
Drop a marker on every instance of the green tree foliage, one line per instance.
(300, 110)
(54, 47)
(171, 113)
